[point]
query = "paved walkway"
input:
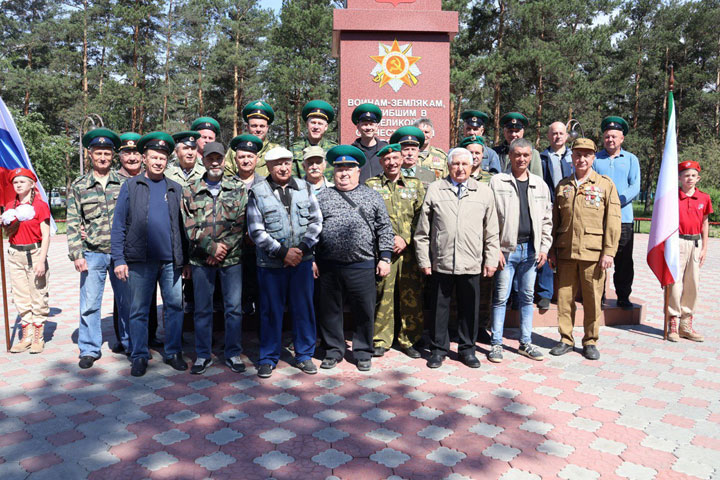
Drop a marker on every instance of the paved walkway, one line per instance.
(647, 409)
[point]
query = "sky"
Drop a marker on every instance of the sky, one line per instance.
(274, 4)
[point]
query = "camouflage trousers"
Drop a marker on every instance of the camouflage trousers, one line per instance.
(406, 279)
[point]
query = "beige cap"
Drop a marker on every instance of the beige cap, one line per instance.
(278, 153)
(584, 143)
(313, 151)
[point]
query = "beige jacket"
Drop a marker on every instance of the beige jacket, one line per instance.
(507, 204)
(456, 235)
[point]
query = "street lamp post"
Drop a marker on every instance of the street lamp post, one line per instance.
(92, 117)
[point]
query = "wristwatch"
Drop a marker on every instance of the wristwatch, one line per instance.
(386, 260)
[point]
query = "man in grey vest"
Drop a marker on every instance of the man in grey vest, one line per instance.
(284, 222)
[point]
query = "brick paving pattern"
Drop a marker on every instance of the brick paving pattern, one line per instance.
(647, 409)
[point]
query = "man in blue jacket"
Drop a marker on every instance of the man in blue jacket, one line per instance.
(149, 245)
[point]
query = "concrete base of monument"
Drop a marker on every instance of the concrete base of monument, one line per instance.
(611, 315)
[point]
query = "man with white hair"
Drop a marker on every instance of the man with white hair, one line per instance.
(456, 240)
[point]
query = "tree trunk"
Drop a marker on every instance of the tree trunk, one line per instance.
(717, 87)
(85, 60)
(236, 87)
(135, 71)
(636, 109)
(168, 37)
(26, 106)
(201, 107)
(497, 89)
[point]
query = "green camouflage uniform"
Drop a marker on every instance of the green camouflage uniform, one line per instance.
(403, 200)
(436, 160)
(210, 220)
(260, 167)
(297, 151)
(175, 173)
(482, 176)
(91, 208)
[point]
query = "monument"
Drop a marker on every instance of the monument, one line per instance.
(396, 55)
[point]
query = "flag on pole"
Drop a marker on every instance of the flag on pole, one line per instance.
(13, 155)
(663, 255)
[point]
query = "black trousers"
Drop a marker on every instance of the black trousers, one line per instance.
(624, 267)
(152, 318)
(468, 304)
(358, 286)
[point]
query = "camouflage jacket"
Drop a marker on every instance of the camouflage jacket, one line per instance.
(176, 174)
(403, 200)
(210, 220)
(482, 176)
(260, 167)
(90, 208)
(436, 160)
(297, 151)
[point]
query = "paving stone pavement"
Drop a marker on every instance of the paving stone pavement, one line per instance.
(647, 409)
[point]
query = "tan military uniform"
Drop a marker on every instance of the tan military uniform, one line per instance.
(176, 173)
(260, 167)
(436, 160)
(403, 200)
(586, 226)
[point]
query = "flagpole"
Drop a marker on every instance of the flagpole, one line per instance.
(666, 288)
(4, 290)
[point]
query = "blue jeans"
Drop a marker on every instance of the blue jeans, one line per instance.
(141, 281)
(519, 265)
(204, 287)
(545, 281)
(278, 286)
(92, 284)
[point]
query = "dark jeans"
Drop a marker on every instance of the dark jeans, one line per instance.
(204, 285)
(624, 268)
(468, 295)
(152, 320)
(544, 286)
(359, 285)
(292, 286)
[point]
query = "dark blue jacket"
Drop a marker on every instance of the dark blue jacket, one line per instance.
(128, 240)
(566, 167)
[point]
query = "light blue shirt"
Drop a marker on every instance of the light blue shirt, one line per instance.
(624, 171)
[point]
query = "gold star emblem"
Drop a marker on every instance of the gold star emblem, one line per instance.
(395, 66)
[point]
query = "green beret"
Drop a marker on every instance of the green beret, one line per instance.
(318, 108)
(615, 123)
(246, 143)
(258, 109)
(472, 139)
(514, 120)
(206, 123)
(366, 112)
(474, 118)
(101, 137)
(159, 141)
(408, 134)
(393, 147)
(129, 141)
(189, 137)
(345, 155)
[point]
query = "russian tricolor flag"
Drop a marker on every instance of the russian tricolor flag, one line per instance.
(663, 256)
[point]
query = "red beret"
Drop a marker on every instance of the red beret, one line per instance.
(22, 172)
(688, 164)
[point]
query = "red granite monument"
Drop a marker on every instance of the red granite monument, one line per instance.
(395, 54)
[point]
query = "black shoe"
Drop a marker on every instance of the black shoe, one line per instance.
(235, 364)
(591, 352)
(155, 343)
(470, 360)
(200, 365)
(435, 361)
(177, 362)
(328, 363)
(411, 352)
(265, 370)
(364, 365)
(625, 304)
(86, 361)
(561, 349)
(379, 351)
(307, 367)
(543, 303)
(118, 348)
(139, 367)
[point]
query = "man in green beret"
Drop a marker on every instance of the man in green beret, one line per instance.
(474, 125)
(476, 145)
(90, 209)
(410, 139)
(514, 124)
(258, 116)
(208, 129)
(367, 119)
(431, 157)
(403, 198)
(187, 170)
(317, 115)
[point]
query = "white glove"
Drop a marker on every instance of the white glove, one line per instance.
(9, 216)
(25, 212)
